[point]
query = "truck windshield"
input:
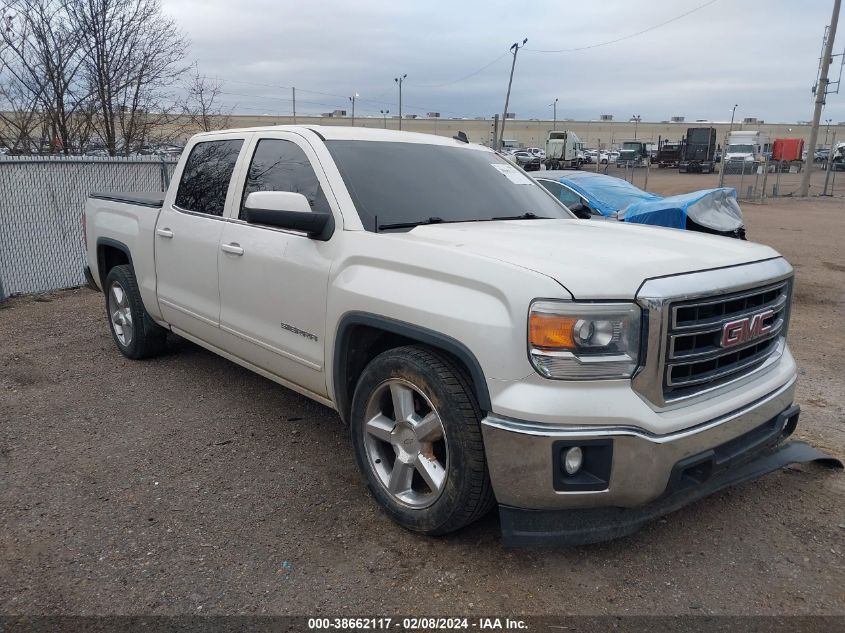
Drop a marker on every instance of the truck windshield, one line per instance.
(400, 183)
(630, 146)
(740, 149)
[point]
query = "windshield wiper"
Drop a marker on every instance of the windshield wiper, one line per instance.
(410, 225)
(524, 216)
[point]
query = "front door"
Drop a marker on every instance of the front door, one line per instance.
(187, 238)
(273, 282)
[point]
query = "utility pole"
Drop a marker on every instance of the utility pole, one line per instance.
(514, 49)
(294, 105)
(352, 99)
(554, 105)
(821, 93)
(399, 81)
(384, 114)
(733, 112)
(495, 141)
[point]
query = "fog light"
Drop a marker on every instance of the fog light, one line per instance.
(572, 460)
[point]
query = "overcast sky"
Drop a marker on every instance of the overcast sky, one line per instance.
(761, 54)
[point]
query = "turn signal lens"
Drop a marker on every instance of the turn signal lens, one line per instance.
(551, 330)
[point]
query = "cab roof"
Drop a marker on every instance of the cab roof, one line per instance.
(347, 133)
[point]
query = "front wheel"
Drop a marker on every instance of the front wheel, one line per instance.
(416, 433)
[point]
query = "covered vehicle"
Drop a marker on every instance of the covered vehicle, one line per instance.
(713, 211)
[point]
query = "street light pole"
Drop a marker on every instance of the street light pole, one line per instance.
(636, 119)
(384, 114)
(352, 99)
(826, 131)
(733, 112)
(399, 81)
(554, 105)
(514, 49)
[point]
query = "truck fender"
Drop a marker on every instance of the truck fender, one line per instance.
(410, 331)
(101, 260)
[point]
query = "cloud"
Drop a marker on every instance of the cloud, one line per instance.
(762, 55)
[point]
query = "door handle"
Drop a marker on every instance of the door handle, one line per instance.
(234, 248)
(164, 233)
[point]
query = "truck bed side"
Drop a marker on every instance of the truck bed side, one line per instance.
(120, 228)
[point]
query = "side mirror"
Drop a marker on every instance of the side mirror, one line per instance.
(287, 210)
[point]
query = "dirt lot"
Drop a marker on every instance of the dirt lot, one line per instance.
(189, 485)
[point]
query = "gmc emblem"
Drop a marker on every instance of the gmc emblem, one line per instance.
(746, 329)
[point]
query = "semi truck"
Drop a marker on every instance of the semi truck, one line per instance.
(633, 154)
(564, 150)
(699, 151)
(669, 155)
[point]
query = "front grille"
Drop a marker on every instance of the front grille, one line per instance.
(695, 357)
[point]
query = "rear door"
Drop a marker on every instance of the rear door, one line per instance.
(187, 238)
(273, 282)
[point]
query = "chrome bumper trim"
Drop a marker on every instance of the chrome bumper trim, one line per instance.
(519, 455)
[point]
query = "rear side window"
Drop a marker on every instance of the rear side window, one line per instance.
(205, 179)
(279, 165)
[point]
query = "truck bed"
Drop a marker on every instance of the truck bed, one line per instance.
(153, 200)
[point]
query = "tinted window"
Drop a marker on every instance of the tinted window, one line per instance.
(283, 166)
(412, 182)
(205, 179)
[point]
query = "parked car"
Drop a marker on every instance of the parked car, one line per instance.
(537, 151)
(590, 195)
(482, 344)
(821, 155)
(529, 162)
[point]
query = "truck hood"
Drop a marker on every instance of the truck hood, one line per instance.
(592, 259)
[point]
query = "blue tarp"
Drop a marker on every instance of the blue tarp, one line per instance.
(713, 208)
(606, 194)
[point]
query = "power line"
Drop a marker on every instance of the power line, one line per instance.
(465, 77)
(626, 37)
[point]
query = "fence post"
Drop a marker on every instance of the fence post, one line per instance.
(765, 179)
(829, 164)
(165, 177)
(2, 292)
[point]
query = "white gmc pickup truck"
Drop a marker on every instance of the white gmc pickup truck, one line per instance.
(482, 344)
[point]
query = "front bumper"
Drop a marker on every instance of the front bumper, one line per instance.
(634, 475)
(567, 528)
(523, 468)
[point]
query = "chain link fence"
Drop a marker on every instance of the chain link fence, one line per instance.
(41, 202)
(760, 180)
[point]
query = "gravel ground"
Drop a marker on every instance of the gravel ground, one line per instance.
(187, 484)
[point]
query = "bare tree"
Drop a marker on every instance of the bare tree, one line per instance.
(20, 117)
(41, 55)
(203, 109)
(133, 56)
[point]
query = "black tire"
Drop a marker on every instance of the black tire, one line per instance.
(466, 493)
(147, 338)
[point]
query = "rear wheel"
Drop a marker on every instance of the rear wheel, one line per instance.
(135, 333)
(416, 433)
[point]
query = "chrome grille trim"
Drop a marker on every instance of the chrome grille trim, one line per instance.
(662, 297)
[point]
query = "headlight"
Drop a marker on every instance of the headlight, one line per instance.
(584, 341)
